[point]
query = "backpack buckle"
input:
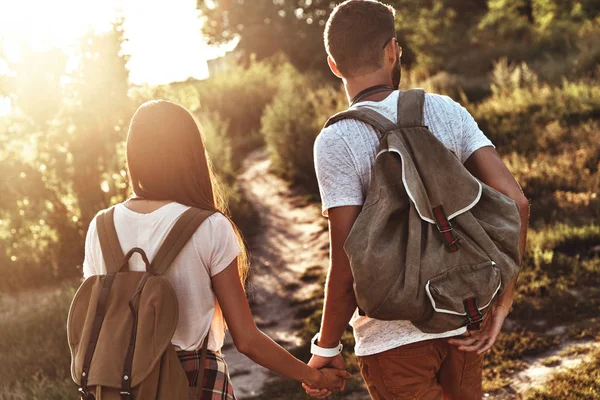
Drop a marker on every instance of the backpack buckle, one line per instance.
(126, 396)
(474, 315)
(445, 228)
(83, 395)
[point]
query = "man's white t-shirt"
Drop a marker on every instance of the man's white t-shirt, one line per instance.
(211, 249)
(344, 156)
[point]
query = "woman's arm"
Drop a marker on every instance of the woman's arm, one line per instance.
(249, 340)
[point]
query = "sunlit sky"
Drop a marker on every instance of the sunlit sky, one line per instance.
(164, 37)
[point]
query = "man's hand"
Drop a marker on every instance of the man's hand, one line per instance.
(482, 340)
(322, 362)
(340, 302)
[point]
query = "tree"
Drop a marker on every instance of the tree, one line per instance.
(429, 30)
(62, 161)
(265, 27)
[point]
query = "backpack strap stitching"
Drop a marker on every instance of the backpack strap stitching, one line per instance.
(177, 238)
(410, 108)
(126, 377)
(109, 241)
(96, 327)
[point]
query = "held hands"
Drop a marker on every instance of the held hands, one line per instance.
(482, 340)
(328, 366)
(331, 379)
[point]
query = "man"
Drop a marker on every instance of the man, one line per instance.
(397, 360)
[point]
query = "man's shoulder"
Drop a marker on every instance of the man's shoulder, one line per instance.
(439, 101)
(330, 136)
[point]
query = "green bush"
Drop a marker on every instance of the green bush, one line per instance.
(239, 96)
(230, 103)
(520, 109)
(218, 144)
(291, 123)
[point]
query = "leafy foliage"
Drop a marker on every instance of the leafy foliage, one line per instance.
(437, 35)
(292, 121)
(59, 167)
(266, 27)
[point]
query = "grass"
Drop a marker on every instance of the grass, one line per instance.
(558, 285)
(581, 383)
(32, 327)
(506, 357)
(34, 350)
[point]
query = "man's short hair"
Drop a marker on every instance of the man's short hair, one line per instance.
(356, 33)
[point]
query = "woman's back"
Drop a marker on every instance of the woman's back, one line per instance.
(212, 248)
(166, 159)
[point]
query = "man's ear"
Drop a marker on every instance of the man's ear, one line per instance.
(334, 67)
(390, 52)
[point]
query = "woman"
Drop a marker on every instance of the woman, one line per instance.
(169, 173)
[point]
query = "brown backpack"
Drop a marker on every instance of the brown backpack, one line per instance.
(432, 244)
(121, 324)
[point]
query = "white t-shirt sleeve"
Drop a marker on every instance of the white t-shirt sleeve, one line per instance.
(223, 245)
(92, 249)
(338, 177)
(470, 137)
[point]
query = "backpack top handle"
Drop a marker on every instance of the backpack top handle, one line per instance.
(130, 253)
(180, 234)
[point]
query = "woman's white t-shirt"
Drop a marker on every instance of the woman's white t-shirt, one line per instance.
(212, 248)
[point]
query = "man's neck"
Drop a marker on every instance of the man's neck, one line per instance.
(356, 85)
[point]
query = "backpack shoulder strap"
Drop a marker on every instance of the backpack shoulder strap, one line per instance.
(109, 241)
(410, 108)
(366, 115)
(179, 235)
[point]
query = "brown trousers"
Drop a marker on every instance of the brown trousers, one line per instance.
(429, 370)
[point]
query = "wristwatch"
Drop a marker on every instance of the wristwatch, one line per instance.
(323, 352)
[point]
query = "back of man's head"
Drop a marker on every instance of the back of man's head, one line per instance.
(356, 33)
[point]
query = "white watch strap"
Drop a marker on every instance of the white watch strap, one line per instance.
(323, 352)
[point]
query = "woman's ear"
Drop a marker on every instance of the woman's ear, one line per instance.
(333, 67)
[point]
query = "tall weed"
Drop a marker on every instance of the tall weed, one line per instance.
(291, 123)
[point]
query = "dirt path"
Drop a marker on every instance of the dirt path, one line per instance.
(541, 368)
(292, 239)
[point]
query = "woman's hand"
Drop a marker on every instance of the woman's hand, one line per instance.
(482, 340)
(330, 380)
(319, 362)
(257, 346)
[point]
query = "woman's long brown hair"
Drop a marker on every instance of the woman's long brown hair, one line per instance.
(167, 160)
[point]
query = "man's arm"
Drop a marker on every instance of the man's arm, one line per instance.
(340, 302)
(487, 166)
